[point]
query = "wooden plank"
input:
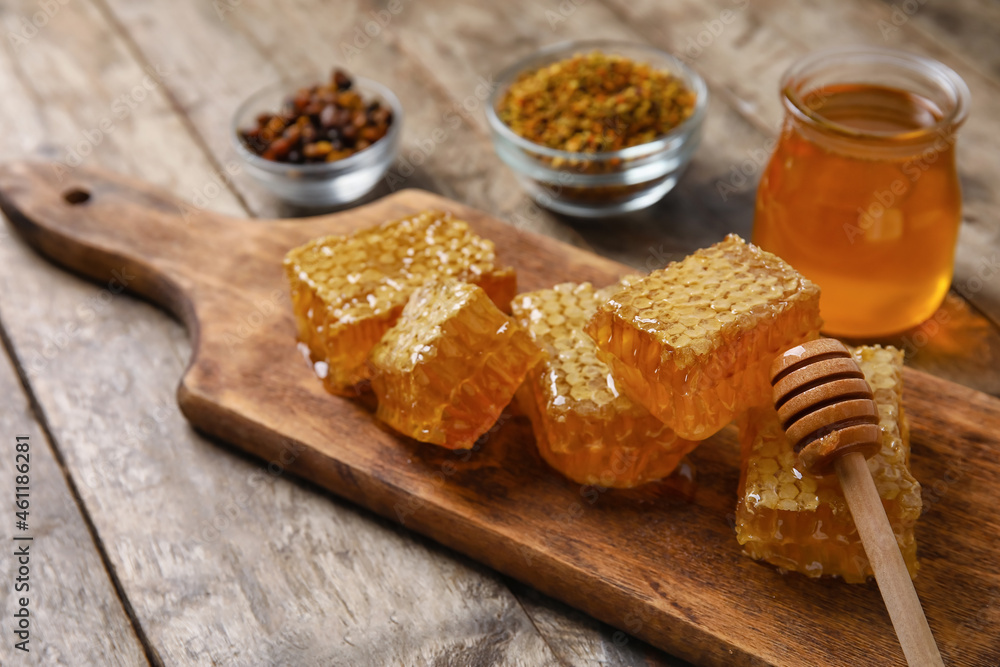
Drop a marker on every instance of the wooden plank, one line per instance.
(74, 613)
(294, 578)
(256, 49)
(578, 639)
(680, 582)
(967, 28)
(441, 146)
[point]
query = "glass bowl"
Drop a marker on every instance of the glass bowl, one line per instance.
(603, 183)
(323, 184)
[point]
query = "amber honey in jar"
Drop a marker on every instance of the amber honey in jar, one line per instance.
(861, 194)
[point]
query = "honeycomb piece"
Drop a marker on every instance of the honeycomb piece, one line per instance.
(693, 342)
(348, 290)
(584, 427)
(451, 363)
(800, 522)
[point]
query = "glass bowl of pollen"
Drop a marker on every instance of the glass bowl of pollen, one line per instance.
(534, 122)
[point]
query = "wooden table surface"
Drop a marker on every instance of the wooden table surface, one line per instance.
(153, 544)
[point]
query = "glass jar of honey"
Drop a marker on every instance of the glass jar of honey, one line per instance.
(861, 194)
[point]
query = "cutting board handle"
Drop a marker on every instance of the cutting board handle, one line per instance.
(117, 230)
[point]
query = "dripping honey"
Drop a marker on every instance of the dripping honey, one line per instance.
(861, 195)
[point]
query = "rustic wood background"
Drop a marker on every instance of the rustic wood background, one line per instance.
(159, 546)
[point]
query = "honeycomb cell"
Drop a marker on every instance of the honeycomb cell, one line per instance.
(693, 342)
(348, 290)
(813, 532)
(584, 426)
(451, 363)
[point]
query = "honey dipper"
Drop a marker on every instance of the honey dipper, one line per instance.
(828, 412)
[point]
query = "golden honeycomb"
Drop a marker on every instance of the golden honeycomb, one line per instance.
(584, 427)
(451, 363)
(348, 290)
(800, 522)
(693, 342)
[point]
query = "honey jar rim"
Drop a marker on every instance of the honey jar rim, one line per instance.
(796, 79)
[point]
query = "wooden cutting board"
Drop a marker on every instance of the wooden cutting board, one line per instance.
(660, 562)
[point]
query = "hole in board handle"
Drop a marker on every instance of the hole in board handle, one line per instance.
(76, 196)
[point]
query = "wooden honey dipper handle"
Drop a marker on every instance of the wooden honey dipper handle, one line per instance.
(883, 553)
(828, 411)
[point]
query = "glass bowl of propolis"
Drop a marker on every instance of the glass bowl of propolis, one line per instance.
(597, 128)
(319, 142)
